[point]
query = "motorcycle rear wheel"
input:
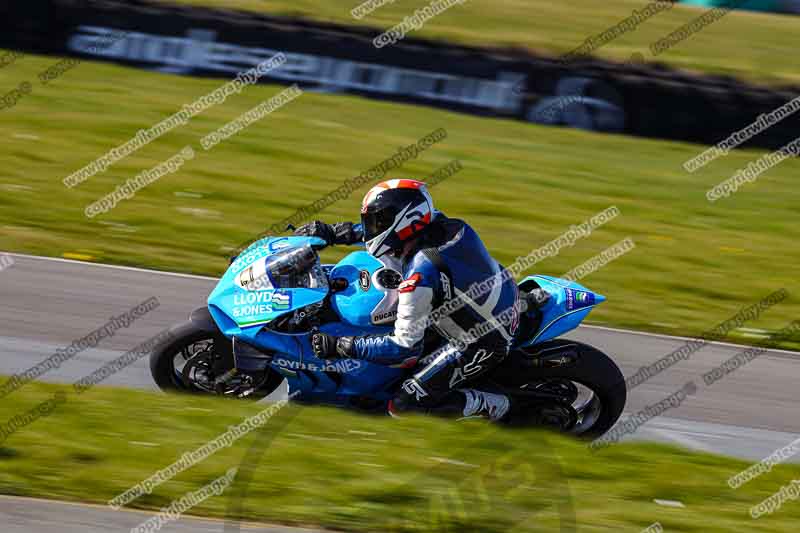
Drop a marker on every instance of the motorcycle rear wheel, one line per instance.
(594, 375)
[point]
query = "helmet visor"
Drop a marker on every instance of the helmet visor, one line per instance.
(376, 221)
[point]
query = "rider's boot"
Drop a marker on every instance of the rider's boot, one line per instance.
(462, 403)
(489, 405)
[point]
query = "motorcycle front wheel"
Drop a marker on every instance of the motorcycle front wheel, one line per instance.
(194, 360)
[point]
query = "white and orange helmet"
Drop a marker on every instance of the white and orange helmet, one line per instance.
(393, 212)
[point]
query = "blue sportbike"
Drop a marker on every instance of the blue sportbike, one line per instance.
(255, 333)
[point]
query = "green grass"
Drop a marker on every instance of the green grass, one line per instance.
(750, 45)
(326, 467)
(694, 265)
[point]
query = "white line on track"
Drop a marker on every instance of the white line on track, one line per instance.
(116, 267)
(683, 439)
(676, 337)
(209, 278)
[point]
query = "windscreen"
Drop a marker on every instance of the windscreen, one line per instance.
(295, 268)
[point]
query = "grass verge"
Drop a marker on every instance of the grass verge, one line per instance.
(695, 263)
(326, 467)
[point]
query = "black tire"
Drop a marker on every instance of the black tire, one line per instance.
(592, 369)
(162, 366)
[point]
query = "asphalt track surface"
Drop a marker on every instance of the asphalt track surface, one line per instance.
(26, 515)
(48, 303)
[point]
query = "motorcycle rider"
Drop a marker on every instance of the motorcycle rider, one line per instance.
(441, 259)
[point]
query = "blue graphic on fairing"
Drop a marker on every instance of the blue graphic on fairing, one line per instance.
(280, 276)
(240, 301)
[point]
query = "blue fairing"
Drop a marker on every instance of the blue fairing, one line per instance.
(244, 311)
(241, 312)
(569, 304)
(355, 305)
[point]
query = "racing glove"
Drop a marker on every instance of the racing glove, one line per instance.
(339, 233)
(329, 347)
